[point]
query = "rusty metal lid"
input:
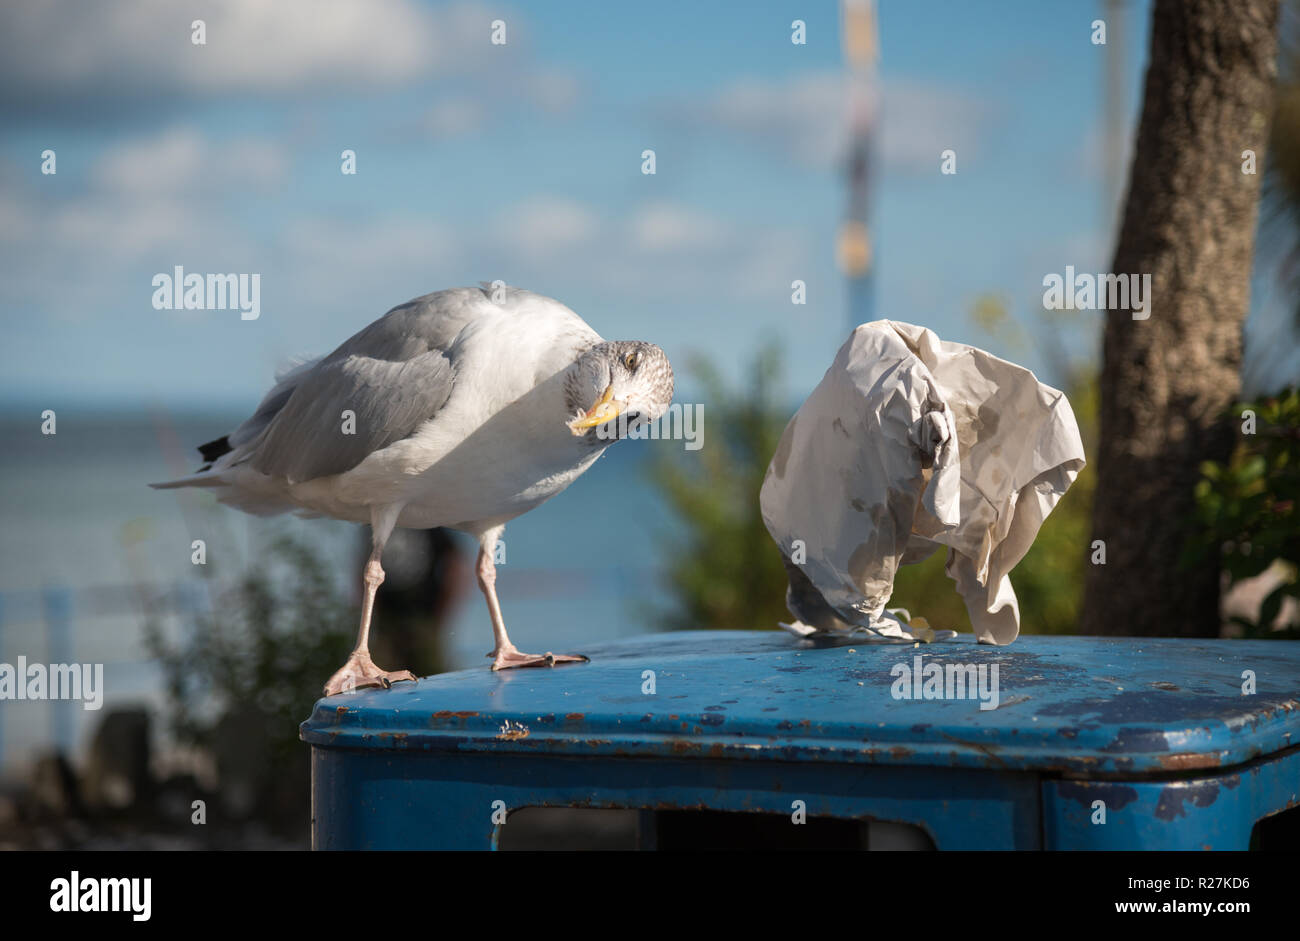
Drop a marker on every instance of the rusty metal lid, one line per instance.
(1084, 704)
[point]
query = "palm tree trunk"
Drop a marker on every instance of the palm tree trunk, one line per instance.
(1189, 222)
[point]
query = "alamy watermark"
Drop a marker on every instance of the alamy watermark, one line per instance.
(679, 423)
(91, 894)
(181, 291)
(933, 680)
(1084, 291)
(37, 681)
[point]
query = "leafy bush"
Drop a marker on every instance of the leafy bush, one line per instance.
(724, 570)
(245, 676)
(1246, 508)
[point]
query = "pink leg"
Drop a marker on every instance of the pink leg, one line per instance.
(360, 671)
(506, 656)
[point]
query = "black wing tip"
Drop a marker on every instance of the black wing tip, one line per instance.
(214, 449)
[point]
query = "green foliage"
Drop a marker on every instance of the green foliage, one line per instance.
(1246, 508)
(724, 570)
(265, 651)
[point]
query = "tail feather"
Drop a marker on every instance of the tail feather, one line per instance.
(193, 480)
(214, 449)
(250, 499)
(236, 447)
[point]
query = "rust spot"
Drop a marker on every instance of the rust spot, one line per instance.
(987, 751)
(898, 751)
(574, 716)
(446, 714)
(512, 731)
(341, 709)
(1183, 762)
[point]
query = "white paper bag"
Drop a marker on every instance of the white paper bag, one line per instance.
(910, 443)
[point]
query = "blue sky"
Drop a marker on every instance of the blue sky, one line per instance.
(522, 162)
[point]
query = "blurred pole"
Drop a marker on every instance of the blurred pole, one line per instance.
(855, 250)
(58, 639)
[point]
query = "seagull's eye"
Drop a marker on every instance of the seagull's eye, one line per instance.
(631, 360)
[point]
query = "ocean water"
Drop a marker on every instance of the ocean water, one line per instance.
(85, 543)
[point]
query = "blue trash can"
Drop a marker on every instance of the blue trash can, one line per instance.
(1053, 742)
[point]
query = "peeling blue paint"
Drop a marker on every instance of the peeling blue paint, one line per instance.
(1074, 720)
(1179, 793)
(1115, 796)
(1148, 726)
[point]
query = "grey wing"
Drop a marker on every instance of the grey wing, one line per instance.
(392, 377)
(343, 411)
(285, 382)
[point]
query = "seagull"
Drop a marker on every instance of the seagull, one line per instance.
(463, 408)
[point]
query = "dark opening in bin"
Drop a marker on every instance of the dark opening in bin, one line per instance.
(582, 828)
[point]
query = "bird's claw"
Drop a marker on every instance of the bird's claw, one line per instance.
(511, 659)
(360, 672)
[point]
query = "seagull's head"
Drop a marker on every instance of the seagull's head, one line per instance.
(615, 386)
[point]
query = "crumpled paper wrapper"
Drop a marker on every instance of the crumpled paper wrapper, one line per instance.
(910, 443)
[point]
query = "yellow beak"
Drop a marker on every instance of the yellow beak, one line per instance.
(598, 414)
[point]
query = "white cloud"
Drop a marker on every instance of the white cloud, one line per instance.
(151, 201)
(546, 226)
(668, 248)
(73, 260)
(919, 122)
(177, 197)
(142, 48)
(519, 83)
(806, 119)
(341, 272)
(453, 117)
(180, 158)
(554, 90)
(801, 118)
(324, 251)
(675, 248)
(668, 228)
